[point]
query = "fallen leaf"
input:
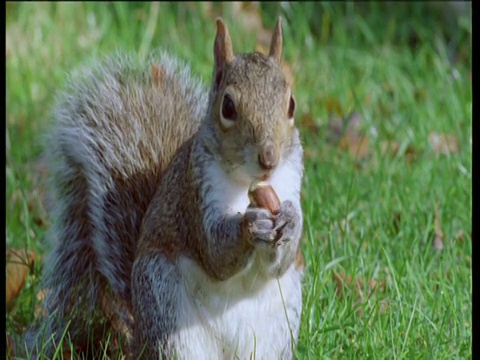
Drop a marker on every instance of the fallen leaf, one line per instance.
(288, 72)
(19, 262)
(443, 144)
(459, 236)
(362, 289)
(411, 153)
(340, 279)
(111, 310)
(388, 277)
(353, 141)
(384, 305)
(42, 294)
(37, 203)
(468, 260)
(335, 130)
(339, 127)
(247, 15)
(438, 243)
(439, 235)
(391, 148)
(39, 309)
(311, 153)
(299, 260)
(397, 218)
(389, 88)
(205, 8)
(67, 354)
(10, 347)
(308, 122)
(355, 144)
(333, 106)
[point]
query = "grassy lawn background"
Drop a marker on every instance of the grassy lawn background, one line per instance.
(375, 285)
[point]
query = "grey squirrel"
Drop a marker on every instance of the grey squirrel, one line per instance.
(155, 237)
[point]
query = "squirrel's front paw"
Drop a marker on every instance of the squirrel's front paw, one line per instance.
(287, 223)
(260, 225)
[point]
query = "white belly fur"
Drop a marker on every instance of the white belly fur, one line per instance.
(245, 316)
(237, 318)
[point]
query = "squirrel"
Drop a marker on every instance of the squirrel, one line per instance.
(154, 235)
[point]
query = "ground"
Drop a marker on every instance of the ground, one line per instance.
(384, 107)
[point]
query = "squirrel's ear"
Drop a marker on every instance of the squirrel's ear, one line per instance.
(223, 50)
(276, 43)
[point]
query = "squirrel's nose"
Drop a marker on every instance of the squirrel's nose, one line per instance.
(268, 157)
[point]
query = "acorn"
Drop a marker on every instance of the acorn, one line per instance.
(261, 194)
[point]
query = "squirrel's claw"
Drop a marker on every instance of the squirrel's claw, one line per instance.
(260, 225)
(285, 223)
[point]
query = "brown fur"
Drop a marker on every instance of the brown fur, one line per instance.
(132, 156)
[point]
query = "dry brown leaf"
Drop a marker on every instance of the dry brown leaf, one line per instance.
(443, 144)
(333, 106)
(264, 37)
(356, 145)
(67, 354)
(308, 122)
(334, 130)
(111, 310)
(468, 260)
(311, 153)
(37, 198)
(460, 235)
(391, 148)
(19, 263)
(41, 295)
(10, 347)
(247, 15)
(438, 243)
(299, 260)
(340, 280)
(397, 218)
(411, 153)
(261, 48)
(362, 290)
(344, 131)
(439, 235)
(206, 9)
(389, 88)
(384, 305)
(288, 72)
(388, 277)
(352, 141)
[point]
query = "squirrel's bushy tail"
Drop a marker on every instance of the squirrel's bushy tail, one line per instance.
(117, 126)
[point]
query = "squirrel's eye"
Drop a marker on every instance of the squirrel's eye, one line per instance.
(228, 108)
(291, 108)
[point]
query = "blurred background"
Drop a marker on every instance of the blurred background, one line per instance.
(384, 107)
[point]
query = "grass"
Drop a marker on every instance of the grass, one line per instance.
(405, 69)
